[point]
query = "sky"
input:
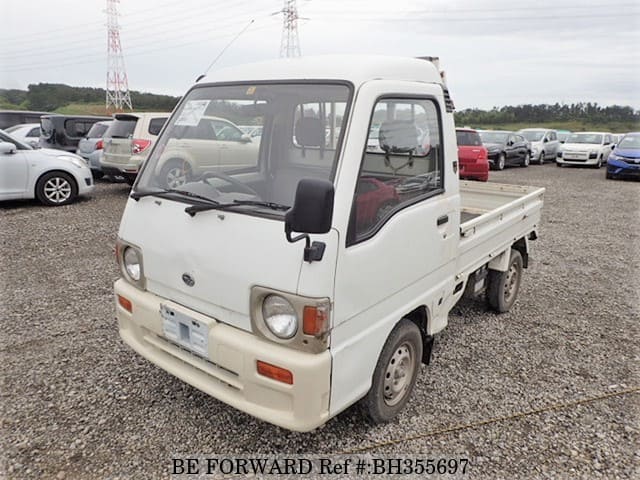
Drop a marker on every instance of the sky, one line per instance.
(495, 52)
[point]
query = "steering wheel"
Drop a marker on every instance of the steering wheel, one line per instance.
(241, 186)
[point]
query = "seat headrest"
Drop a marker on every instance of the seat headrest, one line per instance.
(309, 132)
(398, 136)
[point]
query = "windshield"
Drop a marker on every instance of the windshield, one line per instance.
(204, 152)
(494, 137)
(562, 136)
(468, 138)
(532, 136)
(594, 138)
(629, 141)
(97, 130)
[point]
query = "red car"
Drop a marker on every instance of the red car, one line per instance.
(472, 155)
(373, 200)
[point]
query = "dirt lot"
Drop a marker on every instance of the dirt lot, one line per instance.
(549, 390)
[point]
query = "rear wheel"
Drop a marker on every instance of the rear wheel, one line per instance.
(396, 372)
(175, 173)
(503, 287)
(56, 188)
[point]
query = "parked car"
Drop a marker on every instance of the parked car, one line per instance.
(91, 147)
(624, 160)
(53, 177)
(128, 141)
(472, 155)
(544, 143)
(9, 118)
(28, 133)
(505, 148)
(563, 135)
(585, 148)
(64, 132)
(211, 143)
(374, 199)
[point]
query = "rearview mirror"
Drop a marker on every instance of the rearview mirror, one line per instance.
(312, 212)
(7, 148)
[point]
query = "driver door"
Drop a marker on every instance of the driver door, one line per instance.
(14, 175)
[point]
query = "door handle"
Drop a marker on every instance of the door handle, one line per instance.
(442, 220)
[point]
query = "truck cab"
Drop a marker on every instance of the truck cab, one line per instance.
(293, 274)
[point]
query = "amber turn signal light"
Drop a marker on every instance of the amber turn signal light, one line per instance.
(125, 303)
(315, 320)
(275, 373)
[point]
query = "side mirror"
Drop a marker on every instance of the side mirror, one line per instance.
(7, 148)
(312, 212)
(546, 140)
(245, 138)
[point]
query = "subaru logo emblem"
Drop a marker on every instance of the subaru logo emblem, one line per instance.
(188, 280)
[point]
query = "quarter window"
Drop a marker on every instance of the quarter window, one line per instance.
(402, 163)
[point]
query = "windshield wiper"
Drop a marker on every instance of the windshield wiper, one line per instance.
(167, 191)
(192, 210)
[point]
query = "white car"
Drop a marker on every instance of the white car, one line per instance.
(54, 177)
(585, 148)
(28, 133)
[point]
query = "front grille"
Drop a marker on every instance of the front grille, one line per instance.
(631, 161)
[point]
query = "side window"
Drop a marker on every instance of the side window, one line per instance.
(155, 125)
(405, 167)
(34, 132)
(553, 136)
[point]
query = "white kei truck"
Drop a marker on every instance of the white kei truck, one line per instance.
(292, 274)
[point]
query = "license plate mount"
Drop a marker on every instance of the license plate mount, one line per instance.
(185, 330)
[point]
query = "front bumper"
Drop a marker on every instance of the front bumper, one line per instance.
(622, 168)
(577, 158)
(230, 373)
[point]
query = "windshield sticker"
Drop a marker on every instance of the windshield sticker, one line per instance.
(192, 113)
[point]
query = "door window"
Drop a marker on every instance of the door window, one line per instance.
(402, 163)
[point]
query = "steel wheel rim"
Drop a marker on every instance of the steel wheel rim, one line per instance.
(57, 190)
(511, 282)
(526, 159)
(398, 374)
(501, 162)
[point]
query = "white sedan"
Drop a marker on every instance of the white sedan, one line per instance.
(28, 133)
(54, 177)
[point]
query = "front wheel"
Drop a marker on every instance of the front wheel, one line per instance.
(503, 287)
(599, 164)
(396, 372)
(541, 159)
(175, 173)
(56, 188)
(526, 160)
(501, 161)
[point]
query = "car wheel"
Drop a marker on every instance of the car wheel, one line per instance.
(175, 173)
(599, 164)
(56, 188)
(503, 287)
(541, 159)
(97, 174)
(558, 164)
(526, 160)
(501, 161)
(395, 374)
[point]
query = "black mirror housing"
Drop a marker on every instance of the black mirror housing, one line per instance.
(312, 209)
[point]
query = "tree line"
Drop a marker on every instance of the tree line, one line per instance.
(585, 112)
(51, 96)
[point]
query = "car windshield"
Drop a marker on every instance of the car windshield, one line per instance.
(121, 127)
(468, 138)
(494, 137)
(630, 141)
(532, 135)
(592, 138)
(97, 130)
(203, 151)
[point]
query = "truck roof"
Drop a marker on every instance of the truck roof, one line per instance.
(354, 68)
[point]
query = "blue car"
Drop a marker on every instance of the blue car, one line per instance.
(624, 160)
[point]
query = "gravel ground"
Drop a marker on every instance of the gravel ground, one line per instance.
(548, 390)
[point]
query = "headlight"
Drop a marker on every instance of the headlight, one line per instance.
(132, 263)
(279, 316)
(593, 152)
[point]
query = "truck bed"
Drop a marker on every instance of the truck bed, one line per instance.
(493, 216)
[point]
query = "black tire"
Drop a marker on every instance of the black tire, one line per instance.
(558, 164)
(130, 179)
(501, 161)
(502, 289)
(175, 173)
(396, 372)
(97, 174)
(541, 159)
(526, 160)
(599, 164)
(56, 188)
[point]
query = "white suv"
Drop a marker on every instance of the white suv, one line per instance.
(585, 148)
(128, 141)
